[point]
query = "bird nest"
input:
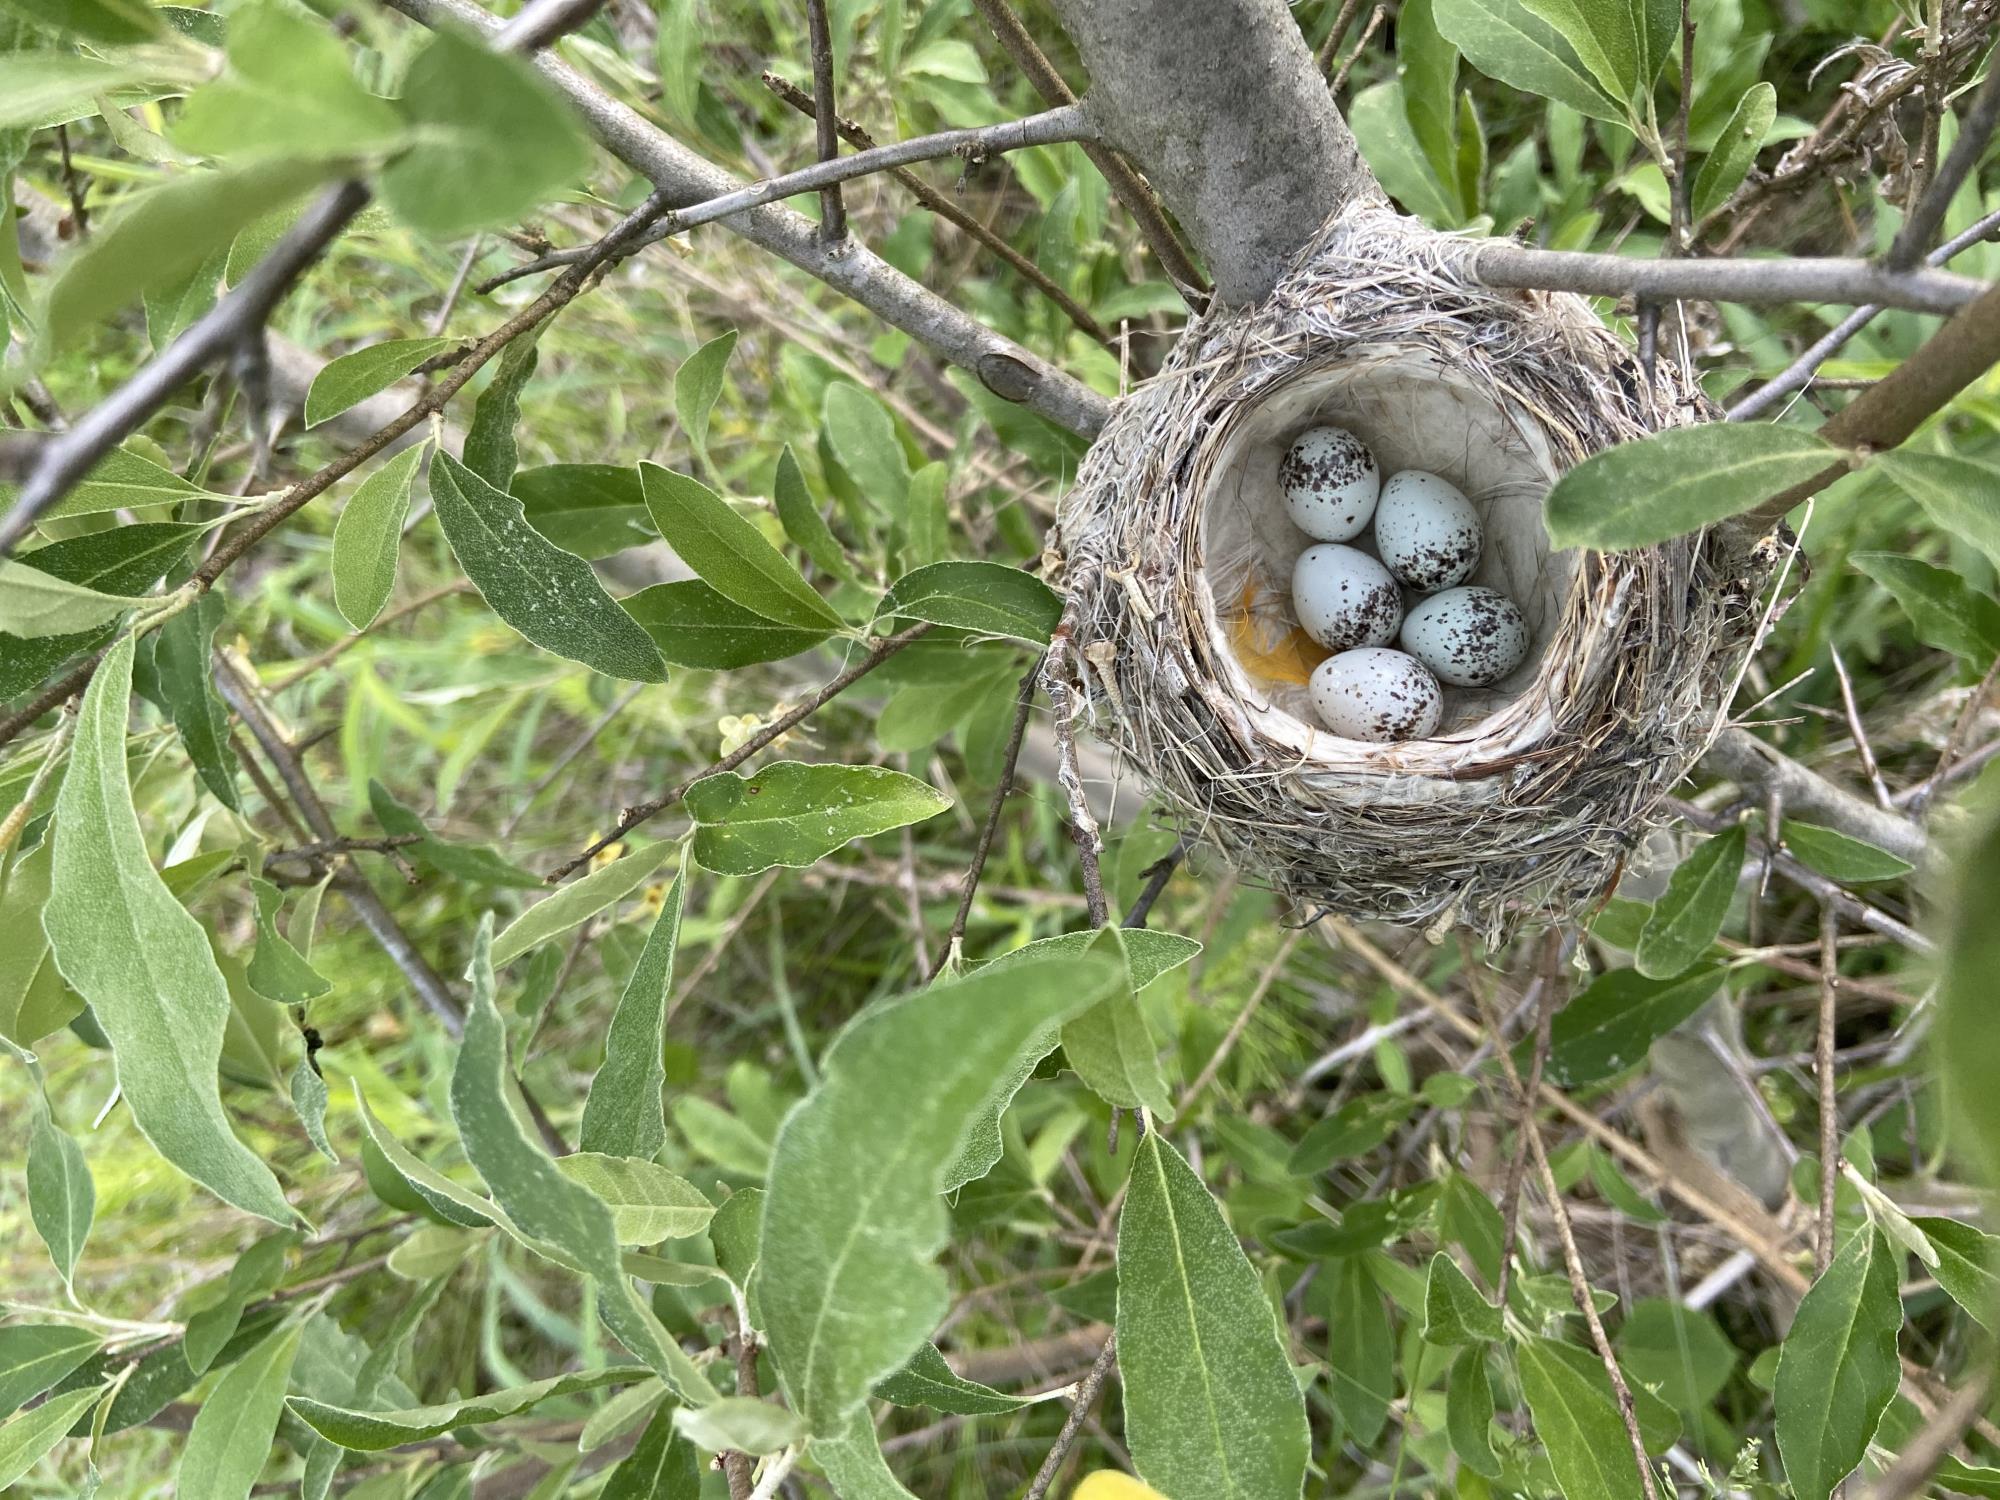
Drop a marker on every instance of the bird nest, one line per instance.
(1175, 551)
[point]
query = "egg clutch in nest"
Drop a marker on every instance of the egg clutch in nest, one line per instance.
(1518, 797)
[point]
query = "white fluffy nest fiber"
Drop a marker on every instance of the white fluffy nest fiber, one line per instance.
(1175, 553)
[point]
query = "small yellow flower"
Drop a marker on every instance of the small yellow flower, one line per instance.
(1109, 1484)
(605, 855)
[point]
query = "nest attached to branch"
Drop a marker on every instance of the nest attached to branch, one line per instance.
(1175, 551)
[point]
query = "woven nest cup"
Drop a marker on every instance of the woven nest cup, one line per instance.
(1175, 550)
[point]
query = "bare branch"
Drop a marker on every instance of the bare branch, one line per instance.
(1752, 764)
(832, 211)
(1079, 1408)
(1375, 19)
(1922, 224)
(540, 22)
(1829, 1099)
(1024, 703)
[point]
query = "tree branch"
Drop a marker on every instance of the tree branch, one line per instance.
(832, 211)
(1819, 280)
(1922, 225)
(1752, 764)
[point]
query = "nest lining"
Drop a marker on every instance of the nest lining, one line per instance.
(1176, 552)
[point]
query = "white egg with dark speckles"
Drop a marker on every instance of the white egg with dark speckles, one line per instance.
(1330, 482)
(1344, 598)
(1427, 531)
(1376, 694)
(1470, 637)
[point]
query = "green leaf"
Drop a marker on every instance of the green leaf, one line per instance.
(1455, 1312)
(697, 383)
(1839, 857)
(473, 863)
(166, 232)
(120, 481)
(232, 1434)
(742, 1423)
(35, 1356)
(377, 1369)
(844, 1279)
(27, 1436)
(277, 970)
(647, 1202)
(120, 560)
(1961, 497)
(114, 21)
(801, 518)
(1578, 1423)
(492, 140)
(927, 1380)
(288, 91)
(578, 902)
(1396, 157)
(252, 1275)
(1966, 1262)
(1944, 609)
(1358, 1126)
(550, 596)
(1735, 150)
(1361, 1346)
(141, 962)
(309, 1100)
(1507, 40)
(1608, 1027)
(183, 664)
(536, 1195)
(664, 1466)
(1111, 1047)
(1678, 1351)
(368, 538)
(1690, 913)
(1966, 1043)
(793, 814)
(927, 524)
(1468, 1412)
(349, 379)
(39, 89)
(1427, 69)
(374, 1431)
(170, 310)
(863, 437)
(34, 604)
(625, 1111)
(490, 449)
(1837, 1368)
(730, 553)
(62, 1200)
(853, 1462)
(405, 1182)
(1660, 487)
(987, 598)
(592, 510)
(1211, 1406)
(694, 626)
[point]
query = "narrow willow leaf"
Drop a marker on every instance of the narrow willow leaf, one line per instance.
(863, 437)
(1967, 1044)
(1689, 914)
(794, 814)
(801, 519)
(737, 1232)
(1361, 1346)
(1211, 1405)
(1578, 1423)
(1837, 1369)
(1454, 1310)
(620, 1414)
(1381, 123)
(927, 1380)
(742, 1423)
(368, 538)
(647, 1202)
(664, 1466)
(1735, 150)
(309, 1100)
(35, 1356)
(1678, 481)
(113, 21)
(373, 1431)
(183, 664)
(26, 1437)
(1111, 1047)
(34, 604)
(1967, 1266)
(62, 1200)
(1468, 1412)
(472, 863)
(1358, 1126)
(404, 1181)
(844, 1278)
(1840, 857)
(984, 597)
(577, 902)
(1603, 34)
(254, 1273)
(377, 1370)
(121, 560)
(697, 383)
(277, 970)
(550, 596)
(1945, 610)
(927, 524)
(1507, 40)
(694, 626)
(592, 510)
(141, 962)
(730, 553)
(349, 379)
(490, 449)
(1608, 1027)
(1960, 495)
(120, 481)
(232, 1434)
(625, 1113)
(537, 1197)
(852, 1461)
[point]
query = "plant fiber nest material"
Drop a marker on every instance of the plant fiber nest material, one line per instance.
(1175, 554)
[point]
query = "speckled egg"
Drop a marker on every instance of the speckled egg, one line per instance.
(1330, 483)
(1376, 694)
(1344, 598)
(1427, 531)
(1470, 637)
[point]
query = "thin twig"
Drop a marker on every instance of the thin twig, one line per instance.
(1922, 224)
(832, 212)
(1240, 1024)
(1860, 734)
(575, 748)
(1918, 797)
(879, 651)
(1024, 703)
(72, 185)
(1529, 1095)
(1157, 875)
(457, 288)
(1336, 33)
(347, 643)
(738, 1467)
(1829, 1101)
(1904, 1478)
(1079, 1408)
(1375, 19)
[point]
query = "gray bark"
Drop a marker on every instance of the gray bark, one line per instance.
(1219, 103)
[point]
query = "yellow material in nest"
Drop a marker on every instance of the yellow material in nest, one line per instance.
(1266, 639)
